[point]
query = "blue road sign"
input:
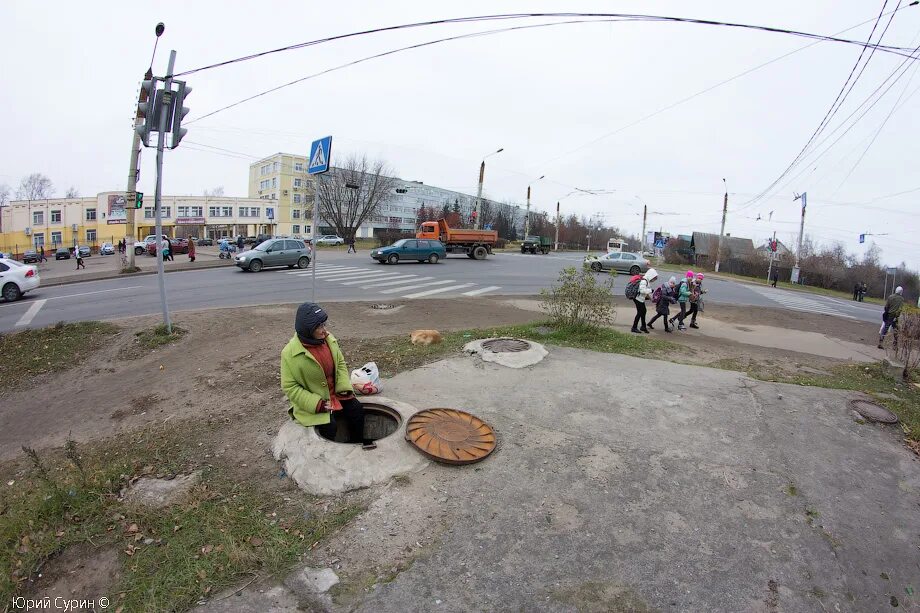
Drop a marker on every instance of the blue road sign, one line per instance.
(270, 212)
(660, 243)
(862, 238)
(320, 152)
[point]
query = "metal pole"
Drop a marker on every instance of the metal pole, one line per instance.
(527, 218)
(557, 227)
(722, 231)
(772, 257)
(482, 172)
(642, 236)
(315, 226)
(798, 250)
(133, 174)
(166, 108)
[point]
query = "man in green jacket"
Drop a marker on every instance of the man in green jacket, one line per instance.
(890, 316)
(316, 381)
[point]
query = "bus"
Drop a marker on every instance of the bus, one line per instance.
(616, 245)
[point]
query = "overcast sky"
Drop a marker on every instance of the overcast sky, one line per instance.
(564, 101)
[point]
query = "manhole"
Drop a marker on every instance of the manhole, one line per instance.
(505, 345)
(450, 436)
(873, 411)
(382, 306)
(380, 421)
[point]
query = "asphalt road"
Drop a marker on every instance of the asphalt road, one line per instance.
(343, 277)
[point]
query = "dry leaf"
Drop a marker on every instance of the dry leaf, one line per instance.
(255, 541)
(132, 529)
(201, 574)
(207, 549)
(175, 528)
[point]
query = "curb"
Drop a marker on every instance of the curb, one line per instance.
(115, 275)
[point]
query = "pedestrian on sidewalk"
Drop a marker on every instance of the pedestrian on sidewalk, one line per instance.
(239, 243)
(79, 256)
(351, 245)
(863, 288)
(643, 293)
(191, 250)
(164, 249)
(683, 297)
(856, 289)
(890, 316)
(663, 297)
(696, 293)
(41, 254)
(316, 380)
(775, 277)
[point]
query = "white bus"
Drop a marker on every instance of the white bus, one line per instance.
(616, 245)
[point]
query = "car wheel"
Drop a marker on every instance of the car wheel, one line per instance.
(303, 262)
(433, 258)
(11, 292)
(596, 266)
(138, 251)
(480, 253)
(255, 265)
(392, 258)
(634, 270)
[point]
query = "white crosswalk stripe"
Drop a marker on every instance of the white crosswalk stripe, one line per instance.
(405, 279)
(482, 290)
(439, 290)
(348, 276)
(800, 303)
(417, 286)
(380, 276)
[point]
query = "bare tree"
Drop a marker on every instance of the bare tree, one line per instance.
(35, 187)
(72, 192)
(4, 194)
(217, 192)
(350, 194)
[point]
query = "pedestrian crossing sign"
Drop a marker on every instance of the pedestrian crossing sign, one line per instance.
(319, 156)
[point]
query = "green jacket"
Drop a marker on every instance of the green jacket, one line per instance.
(893, 305)
(683, 291)
(304, 382)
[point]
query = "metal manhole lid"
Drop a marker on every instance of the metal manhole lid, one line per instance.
(505, 345)
(450, 436)
(382, 306)
(874, 411)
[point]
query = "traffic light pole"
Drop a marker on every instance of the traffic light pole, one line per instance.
(772, 257)
(133, 174)
(165, 109)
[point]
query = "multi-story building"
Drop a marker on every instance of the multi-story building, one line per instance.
(94, 220)
(283, 179)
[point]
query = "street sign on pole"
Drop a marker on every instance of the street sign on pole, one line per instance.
(320, 152)
(862, 238)
(660, 243)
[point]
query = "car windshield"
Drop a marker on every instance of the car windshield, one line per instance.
(400, 242)
(264, 245)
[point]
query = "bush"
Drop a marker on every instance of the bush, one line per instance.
(579, 300)
(908, 336)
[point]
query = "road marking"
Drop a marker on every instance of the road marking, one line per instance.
(438, 290)
(354, 274)
(328, 273)
(379, 277)
(318, 268)
(405, 279)
(483, 290)
(29, 315)
(402, 289)
(800, 303)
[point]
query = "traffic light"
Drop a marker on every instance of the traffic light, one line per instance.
(139, 200)
(180, 112)
(147, 110)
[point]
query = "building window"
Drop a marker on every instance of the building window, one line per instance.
(243, 212)
(39, 240)
(246, 211)
(297, 199)
(295, 229)
(38, 218)
(265, 170)
(295, 214)
(90, 236)
(166, 212)
(213, 211)
(226, 211)
(264, 184)
(148, 212)
(298, 182)
(183, 211)
(55, 238)
(274, 182)
(298, 166)
(276, 167)
(56, 216)
(90, 214)
(196, 211)
(395, 219)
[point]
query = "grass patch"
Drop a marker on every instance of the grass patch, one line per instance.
(155, 337)
(223, 531)
(26, 354)
(792, 490)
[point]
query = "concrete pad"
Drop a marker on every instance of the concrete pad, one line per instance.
(274, 599)
(159, 493)
(312, 580)
(320, 466)
(513, 359)
(662, 486)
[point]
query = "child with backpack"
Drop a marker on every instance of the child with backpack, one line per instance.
(696, 294)
(639, 290)
(683, 297)
(663, 297)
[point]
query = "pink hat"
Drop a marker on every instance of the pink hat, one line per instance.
(689, 274)
(699, 276)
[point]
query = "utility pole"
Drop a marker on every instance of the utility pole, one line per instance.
(772, 256)
(722, 231)
(477, 222)
(557, 226)
(642, 236)
(798, 250)
(165, 110)
(527, 216)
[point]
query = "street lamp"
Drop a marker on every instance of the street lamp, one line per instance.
(527, 217)
(482, 172)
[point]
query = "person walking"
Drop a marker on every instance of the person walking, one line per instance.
(775, 277)
(643, 293)
(351, 245)
(191, 250)
(79, 256)
(683, 297)
(890, 316)
(863, 288)
(856, 289)
(239, 243)
(696, 293)
(665, 297)
(41, 253)
(164, 249)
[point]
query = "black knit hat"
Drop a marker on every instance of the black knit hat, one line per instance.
(309, 316)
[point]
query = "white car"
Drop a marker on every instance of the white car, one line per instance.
(330, 239)
(140, 247)
(16, 279)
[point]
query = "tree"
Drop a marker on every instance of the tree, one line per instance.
(217, 192)
(35, 187)
(4, 194)
(72, 192)
(350, 194)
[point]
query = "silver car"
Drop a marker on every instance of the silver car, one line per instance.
(275, 252)
(632, 263)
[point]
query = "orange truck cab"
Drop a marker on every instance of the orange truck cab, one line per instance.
(475, 244)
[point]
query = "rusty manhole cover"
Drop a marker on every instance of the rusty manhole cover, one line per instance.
(505, 345)
(873, 411)
(450, 435)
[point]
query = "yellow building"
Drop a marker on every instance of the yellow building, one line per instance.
(283, 179)
(57, 222)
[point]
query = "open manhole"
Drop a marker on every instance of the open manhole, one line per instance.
(505, 345)
(383, 306)
(450, 436)
(873, 411)
(380, 421)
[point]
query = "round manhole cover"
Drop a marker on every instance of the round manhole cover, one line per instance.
(450, 435)
(505, 345)
(382, 306)
(873, 411)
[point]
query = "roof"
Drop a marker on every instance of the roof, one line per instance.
(701, 241)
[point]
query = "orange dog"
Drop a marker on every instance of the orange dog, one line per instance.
(425, 337)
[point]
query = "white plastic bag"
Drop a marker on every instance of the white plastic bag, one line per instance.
(366, 380)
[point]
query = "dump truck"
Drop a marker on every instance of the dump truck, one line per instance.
(536, 244)
(475, 244)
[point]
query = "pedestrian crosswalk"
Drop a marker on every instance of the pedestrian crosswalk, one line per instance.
(391, 283)
(796, 302)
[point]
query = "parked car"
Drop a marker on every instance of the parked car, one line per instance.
(63, 253)
(632, 263)
(330, 239)
(30, 257)
(176, 246)
(141, 246)
(204, 242)
(84, 251)
(107, 249)
(275, 252)
(16, 279)
(257, 240)
(411, 249)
